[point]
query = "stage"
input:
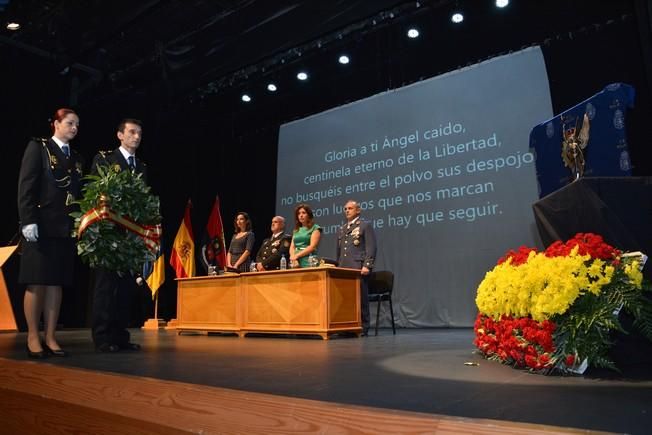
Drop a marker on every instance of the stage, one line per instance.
(415, 381)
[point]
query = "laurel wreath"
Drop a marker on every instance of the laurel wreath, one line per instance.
(105, 244)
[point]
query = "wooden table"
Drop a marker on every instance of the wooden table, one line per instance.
(321, 301)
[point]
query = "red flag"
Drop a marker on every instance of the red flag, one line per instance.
(182, 258)
(213, 248)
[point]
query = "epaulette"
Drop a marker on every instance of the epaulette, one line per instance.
(42, 140)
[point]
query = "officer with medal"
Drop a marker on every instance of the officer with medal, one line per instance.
(270, 253)
(356, 249)
(48, 183)
(112, 293)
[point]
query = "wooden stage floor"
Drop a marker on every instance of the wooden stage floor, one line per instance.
(413, 382)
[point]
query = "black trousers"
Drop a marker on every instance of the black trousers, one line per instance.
(112, 296)
(364, 302)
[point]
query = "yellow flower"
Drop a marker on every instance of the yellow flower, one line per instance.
(543, 286)
(633, 272)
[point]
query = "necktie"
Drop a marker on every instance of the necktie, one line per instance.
(66, 150)
(132, 163)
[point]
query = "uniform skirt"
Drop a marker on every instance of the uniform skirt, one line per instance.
(49, 261)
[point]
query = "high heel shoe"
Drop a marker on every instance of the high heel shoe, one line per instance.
(58, 352)
(36, 355)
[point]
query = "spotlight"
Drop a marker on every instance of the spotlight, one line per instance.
(413, 33)
(271, 87)
(246, 98)
(502, 3)
(457, 17)
(344, 59)
(302, 76)
(13, 26)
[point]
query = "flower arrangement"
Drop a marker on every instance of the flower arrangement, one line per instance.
(118, 226)
(554, 310)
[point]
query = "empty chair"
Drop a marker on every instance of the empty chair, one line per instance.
(380, 287)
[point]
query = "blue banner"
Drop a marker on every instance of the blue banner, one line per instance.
(606, 154)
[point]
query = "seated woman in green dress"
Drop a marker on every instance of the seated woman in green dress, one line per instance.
(305, 238)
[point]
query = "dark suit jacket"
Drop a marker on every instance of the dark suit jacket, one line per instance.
(356, 246)
(47, 178)
(269, 254)
(115, 157)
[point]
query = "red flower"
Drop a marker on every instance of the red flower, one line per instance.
(521, 342)
(570, 360)
(518, 257)
(587, 243)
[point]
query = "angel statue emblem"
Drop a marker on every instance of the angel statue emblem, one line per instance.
(574, 143)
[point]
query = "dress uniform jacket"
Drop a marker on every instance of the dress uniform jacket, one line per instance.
(47, 184)
(272, 249)
(356, 245)
(115, 157)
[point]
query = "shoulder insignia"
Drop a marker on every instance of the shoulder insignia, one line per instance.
(42, 140)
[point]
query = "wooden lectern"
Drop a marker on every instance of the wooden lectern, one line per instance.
(7, 319)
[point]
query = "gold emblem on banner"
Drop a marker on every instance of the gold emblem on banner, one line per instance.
(573, 144)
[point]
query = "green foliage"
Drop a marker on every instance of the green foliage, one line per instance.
(105, 244)
(585, 330)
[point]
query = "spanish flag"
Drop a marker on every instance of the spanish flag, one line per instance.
(182, 258)
(154, 272)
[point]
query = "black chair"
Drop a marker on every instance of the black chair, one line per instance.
(380, 286)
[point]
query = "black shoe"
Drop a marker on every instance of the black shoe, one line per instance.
(107, 348)
(130, 346)
(58, 352)
(36, 355)
(364, 333)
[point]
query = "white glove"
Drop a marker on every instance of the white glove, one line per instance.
(30, 232)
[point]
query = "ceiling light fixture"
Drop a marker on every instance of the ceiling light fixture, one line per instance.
(413, 33)
(457, 17)
(502, 3)
(271, 87)
(246, 98)
(344, 59)
(13, 26)
(302, 76)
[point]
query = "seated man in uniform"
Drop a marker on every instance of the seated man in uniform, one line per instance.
(273, 248)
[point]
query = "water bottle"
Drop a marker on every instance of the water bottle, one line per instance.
(252, 267)
(284, 263)
(311, 260)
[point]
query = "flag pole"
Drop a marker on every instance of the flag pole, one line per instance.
(219, 213)
(155, 323)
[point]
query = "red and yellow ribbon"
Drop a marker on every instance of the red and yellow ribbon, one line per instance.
(151, 234)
